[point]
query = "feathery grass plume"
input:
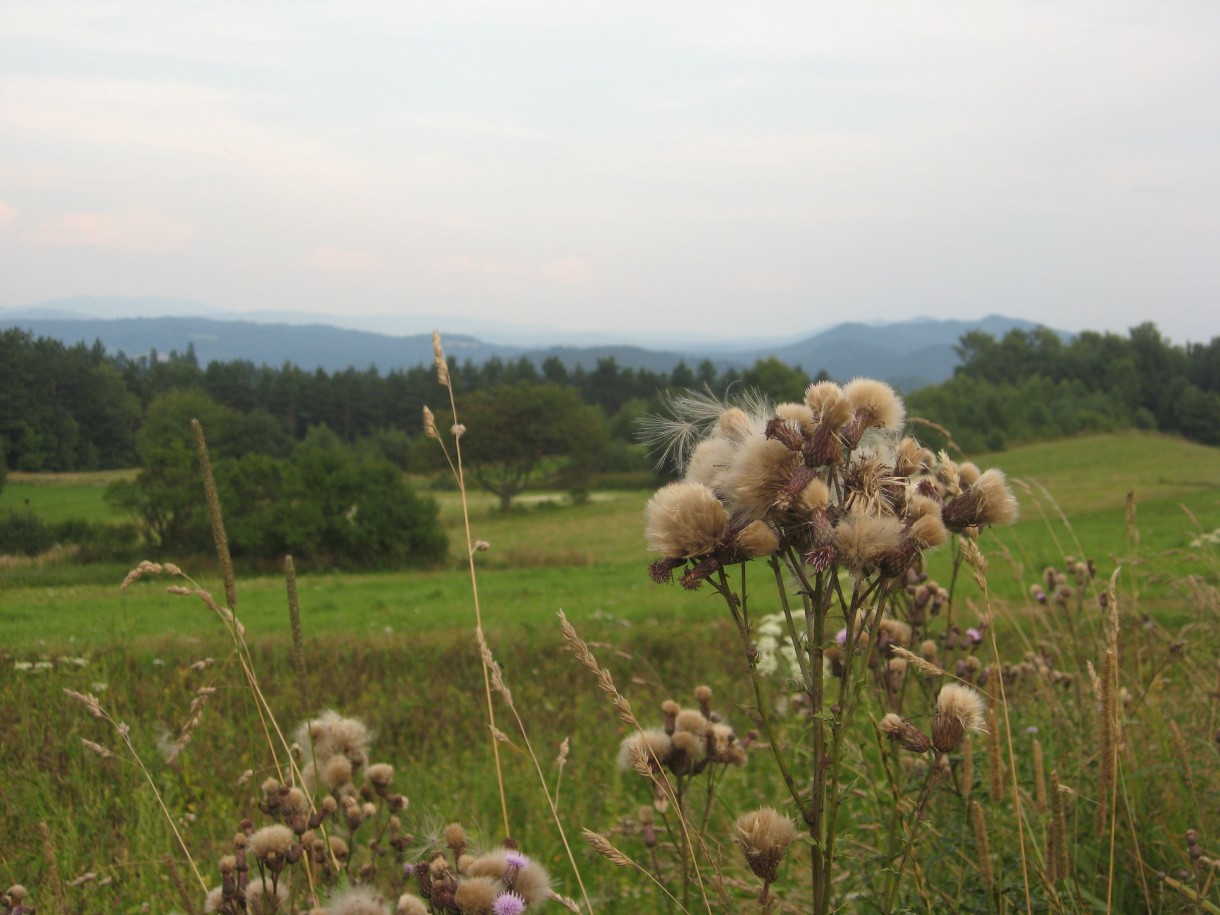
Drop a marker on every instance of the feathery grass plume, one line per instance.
(966, 782)
(606, 849)
(684, 520)
(982, 847)
(1057, 853)
(218, 526)
(1039, 777)
(995, 756)
(919, 661)
(438, 354)
(959, 710)
(54, 882)
(1108, 755)
(989, 501)
(294, 621)
(905, 734)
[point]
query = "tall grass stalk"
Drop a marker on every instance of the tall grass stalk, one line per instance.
(455, 466)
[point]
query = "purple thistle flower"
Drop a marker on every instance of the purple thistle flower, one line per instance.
(516, 859)
(508, 904)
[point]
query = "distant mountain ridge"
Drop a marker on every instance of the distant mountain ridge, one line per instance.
(908, 354)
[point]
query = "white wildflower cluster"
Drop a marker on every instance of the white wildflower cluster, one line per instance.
(776, 653)
(1206, 540)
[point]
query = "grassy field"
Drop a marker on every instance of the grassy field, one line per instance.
(60, 496)
(395, 650)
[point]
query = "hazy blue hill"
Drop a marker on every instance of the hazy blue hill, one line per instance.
(309, 346)
(909, 354)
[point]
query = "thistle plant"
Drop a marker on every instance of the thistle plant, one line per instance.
(837, 507)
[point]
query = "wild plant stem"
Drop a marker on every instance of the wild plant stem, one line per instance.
(459, 474)
(722, 586)
(891, 895)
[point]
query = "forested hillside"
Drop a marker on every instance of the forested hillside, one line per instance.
(65, 408)
(1031, 386)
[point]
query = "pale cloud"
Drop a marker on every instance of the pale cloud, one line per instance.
(765, 281)
(558, 272)
(590, 160)
(339, 260)
(126, 231)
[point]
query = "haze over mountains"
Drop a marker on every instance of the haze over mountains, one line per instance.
(909, 354)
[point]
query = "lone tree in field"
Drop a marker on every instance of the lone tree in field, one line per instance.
(515, 432)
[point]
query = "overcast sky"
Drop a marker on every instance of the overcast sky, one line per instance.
(709, 168)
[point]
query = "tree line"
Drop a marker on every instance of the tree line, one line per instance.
(311, 463)
(1032, 385)
(73, 408)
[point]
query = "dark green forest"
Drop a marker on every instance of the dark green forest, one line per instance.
(312, 462)
(72, 408)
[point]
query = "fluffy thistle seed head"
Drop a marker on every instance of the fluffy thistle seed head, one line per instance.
(988, 501)
(862, 539)
(710, 459)
(475, 895)
(271, 843)
(764, 836)
(379, 776)
(652, 744)
(411, 905)
(875, 403)
(928, 531)
(691, 720)
(760, 470)
(757, 539)
(959, 710)
(825, 399)
(814, 497)
(684, 520)
(359, 900)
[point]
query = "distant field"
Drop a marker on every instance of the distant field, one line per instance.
(59, 496)
(590, 560)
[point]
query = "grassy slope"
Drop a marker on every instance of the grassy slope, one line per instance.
(60, 496)
(417, 679)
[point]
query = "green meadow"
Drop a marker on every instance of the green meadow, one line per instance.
(397, 651)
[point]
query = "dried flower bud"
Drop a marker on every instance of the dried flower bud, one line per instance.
(764, 836)
(907, 736)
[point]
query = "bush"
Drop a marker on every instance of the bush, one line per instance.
(23, 533)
